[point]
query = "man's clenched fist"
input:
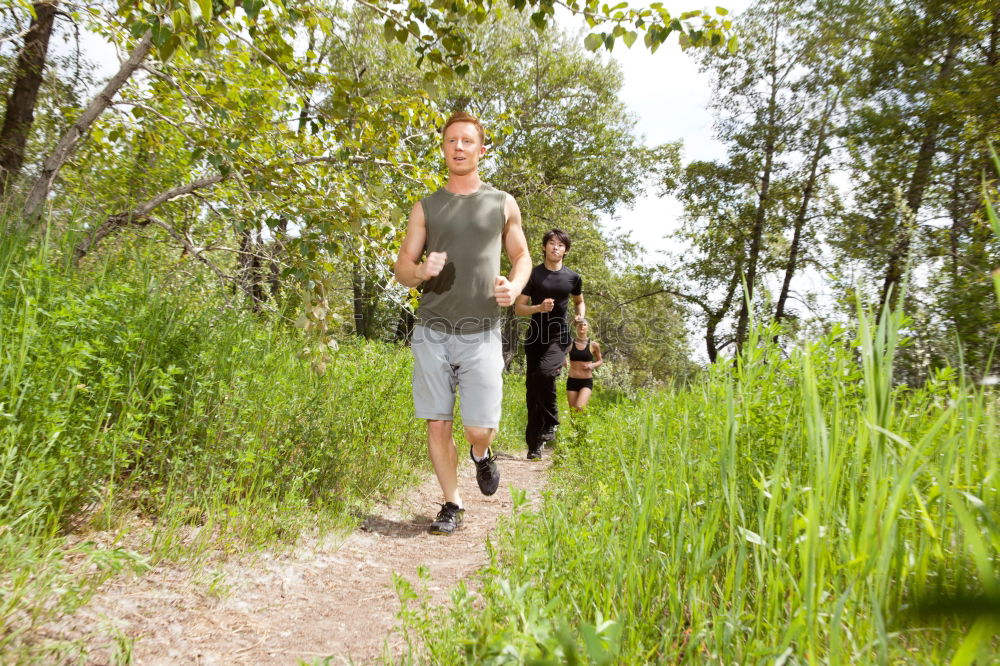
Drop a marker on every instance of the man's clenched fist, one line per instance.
(503, 292)
(433, 265)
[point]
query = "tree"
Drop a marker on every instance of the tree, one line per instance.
(925, 71)
(436, 26)
(921, 109)
(20, 108)
(741, 213)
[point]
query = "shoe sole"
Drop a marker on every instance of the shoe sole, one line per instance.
(441, 532)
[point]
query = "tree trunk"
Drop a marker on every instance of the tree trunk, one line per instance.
(770, 144)
(918, 184)
(20, 114)
(711, 346)
(361, 319)
(249, 273)
(511, 338)
(35, 201)
(957, 218)
(277, 252)
(757, 233)
(404, 325)
(803, 212)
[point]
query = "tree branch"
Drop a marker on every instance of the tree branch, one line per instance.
(67, 144)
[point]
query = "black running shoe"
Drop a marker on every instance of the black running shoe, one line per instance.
(535, 452)
(487, 474)
(448, 519)
(549, 435)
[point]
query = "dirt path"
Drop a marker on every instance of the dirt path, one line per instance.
(330, 598)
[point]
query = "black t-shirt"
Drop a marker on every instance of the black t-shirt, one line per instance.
(549, 327)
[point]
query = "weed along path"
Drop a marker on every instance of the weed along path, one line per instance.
(327, 598)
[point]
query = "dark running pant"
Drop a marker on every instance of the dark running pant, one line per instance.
(544, 363)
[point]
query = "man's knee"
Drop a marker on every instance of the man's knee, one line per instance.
(437, 428)
(478, 435)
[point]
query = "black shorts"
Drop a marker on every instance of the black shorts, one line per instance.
(577, 383)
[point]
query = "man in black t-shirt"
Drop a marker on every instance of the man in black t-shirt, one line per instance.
(545, 298)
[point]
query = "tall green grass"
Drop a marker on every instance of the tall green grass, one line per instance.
(802, 510)
(127, 400)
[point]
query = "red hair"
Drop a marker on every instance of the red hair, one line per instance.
(463, 117)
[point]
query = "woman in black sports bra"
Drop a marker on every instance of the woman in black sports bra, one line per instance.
(584, 356)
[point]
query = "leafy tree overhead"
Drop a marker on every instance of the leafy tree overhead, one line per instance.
(163, 28)
(921, 109)
(776, 101)
(211, 100)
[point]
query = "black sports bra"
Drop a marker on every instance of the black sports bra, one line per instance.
(580, 354)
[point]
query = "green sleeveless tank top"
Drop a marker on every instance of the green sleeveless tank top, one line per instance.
(469, 227)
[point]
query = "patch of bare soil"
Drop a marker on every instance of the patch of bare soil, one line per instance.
(328, 598)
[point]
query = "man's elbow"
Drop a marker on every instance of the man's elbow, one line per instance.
(402, 275)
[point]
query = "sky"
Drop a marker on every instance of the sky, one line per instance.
(670, 98)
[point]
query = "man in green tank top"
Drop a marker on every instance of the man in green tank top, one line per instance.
(458, 232)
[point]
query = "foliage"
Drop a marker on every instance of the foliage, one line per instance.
(994, 222)
(753, 215)
(917, 125)
(794, 509)
(121, 397)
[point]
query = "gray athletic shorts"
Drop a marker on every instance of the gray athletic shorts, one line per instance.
(470, 362)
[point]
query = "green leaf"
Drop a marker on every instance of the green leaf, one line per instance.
(206, 9)
(978, 636)
(732, 44)
(169, 47)
(629, 38)
(721, 11)
(161, 34)
(252, 8)
(593, 41)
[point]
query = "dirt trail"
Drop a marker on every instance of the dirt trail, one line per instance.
(327, 598)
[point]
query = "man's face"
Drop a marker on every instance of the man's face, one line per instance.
(554, 249)
(462, 148)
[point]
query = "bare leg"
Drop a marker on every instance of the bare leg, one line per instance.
(441, 448)
(480, 438)
(582, 399)
(571, 397)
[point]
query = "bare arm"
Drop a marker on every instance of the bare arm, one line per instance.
(579, 307)
(598, 359)
(408, 269)
(524, 308)
(507, 289)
